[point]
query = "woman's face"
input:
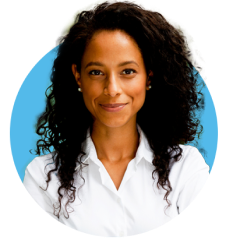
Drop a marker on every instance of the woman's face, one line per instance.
(112, 72)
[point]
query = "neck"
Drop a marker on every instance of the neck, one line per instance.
(115, 144)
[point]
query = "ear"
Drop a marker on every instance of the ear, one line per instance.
(151, 74)
(76, 74)
(74, 70)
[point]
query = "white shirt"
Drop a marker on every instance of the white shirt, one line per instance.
(136, 207)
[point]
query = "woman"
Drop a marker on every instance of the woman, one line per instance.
(120, 111)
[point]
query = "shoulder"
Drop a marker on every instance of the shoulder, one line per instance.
(41, 165)
(192, 157)
(190, 164)
(188, 176)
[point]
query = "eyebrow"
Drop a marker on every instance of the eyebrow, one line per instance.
(100, 64)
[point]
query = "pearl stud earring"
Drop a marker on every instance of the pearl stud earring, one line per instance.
(79, 89)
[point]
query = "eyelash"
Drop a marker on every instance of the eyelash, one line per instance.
(122, 71)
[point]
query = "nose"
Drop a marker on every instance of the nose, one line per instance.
(112, 86)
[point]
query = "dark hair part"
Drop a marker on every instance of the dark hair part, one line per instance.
(167, 116)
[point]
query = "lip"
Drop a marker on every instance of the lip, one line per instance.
(115, 107)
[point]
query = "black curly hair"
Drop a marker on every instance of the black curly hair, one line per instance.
(171, 102)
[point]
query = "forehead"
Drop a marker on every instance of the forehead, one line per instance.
(112, 44)
(114, 36)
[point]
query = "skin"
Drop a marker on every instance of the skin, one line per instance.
(114, 134)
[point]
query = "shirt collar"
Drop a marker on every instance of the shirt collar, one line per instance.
(143, 152)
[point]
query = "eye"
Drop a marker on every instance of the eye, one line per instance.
(127, 70)
(94, 71)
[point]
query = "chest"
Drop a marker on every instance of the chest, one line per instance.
(116, 171)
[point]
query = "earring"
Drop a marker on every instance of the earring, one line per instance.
(149, 86)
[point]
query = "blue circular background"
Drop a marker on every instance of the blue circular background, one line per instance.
(30, 103)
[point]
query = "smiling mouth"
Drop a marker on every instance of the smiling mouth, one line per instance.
(115, 105)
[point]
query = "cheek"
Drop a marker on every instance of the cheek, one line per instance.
(139, 93)
(90, 94)
(138, 96)
(88, 101)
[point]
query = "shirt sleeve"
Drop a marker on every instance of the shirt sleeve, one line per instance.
(196, 171)
(33, 187)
